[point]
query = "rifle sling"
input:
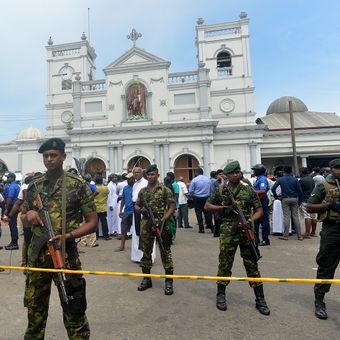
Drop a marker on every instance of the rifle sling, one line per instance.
(63, 217)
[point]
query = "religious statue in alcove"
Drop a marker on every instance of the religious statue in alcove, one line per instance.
(135, 101)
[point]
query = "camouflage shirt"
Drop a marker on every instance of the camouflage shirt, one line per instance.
(245, 197)
(158, 199)
(79, 200)
(326, 192)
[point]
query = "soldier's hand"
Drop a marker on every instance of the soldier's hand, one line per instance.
(144, 212)
(335, 206)
(33, 217)
(228, 209)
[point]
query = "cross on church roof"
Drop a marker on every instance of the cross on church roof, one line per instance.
(133, 36)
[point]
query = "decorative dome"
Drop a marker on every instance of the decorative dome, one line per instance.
(30, 133)
(281, 105)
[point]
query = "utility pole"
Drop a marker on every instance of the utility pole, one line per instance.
(292, 130)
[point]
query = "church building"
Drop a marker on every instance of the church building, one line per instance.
(139, 112)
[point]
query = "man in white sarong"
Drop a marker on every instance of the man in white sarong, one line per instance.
(112, 222)
(278, 212)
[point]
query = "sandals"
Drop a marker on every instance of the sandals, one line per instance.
(300, 238)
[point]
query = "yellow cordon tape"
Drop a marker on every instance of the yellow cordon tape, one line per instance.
(176, 277)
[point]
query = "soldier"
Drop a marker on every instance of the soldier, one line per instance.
(161, 201)
(53, 187)
(232, 234)
(325, 200)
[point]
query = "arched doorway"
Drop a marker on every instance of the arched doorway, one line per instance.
(139, 161)
(3, 168)
(94, 165)
(185, 165)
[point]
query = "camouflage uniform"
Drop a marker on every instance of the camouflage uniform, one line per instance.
(38, 284)
(158, 200)
(231, 231)
(329, 252)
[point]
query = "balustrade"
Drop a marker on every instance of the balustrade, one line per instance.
(214, 33)
(94, 85)
(67, 52)
(184, 77)
(224, 71)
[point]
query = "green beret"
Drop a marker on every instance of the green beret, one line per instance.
(335, 163)
(52, 144)
(231, 167)
(151, 168)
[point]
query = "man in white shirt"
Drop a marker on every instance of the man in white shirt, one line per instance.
(112, 221)
(140, 183)
(183, 204)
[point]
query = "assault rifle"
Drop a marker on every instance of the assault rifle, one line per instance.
(249, 233)
(156, 228)
(54, 249)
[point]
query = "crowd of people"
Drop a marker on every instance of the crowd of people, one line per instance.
(142, 207)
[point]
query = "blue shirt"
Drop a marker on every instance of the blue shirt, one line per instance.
(92, 186)
(290, 188)
(261, 183)
(213, 184)
(127, 197)
(175, 188)
(12, 191)
(200, 186)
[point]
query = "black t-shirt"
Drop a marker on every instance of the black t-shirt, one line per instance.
(307, 185)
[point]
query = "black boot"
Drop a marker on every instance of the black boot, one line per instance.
(221, 303)
(320, 307)
(261, 304)
(146, 282)
(12, 246)
(169, 288)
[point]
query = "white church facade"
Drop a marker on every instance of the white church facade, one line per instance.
(140, 113)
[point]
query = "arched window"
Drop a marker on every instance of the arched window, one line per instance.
(223, 59)
(224, 64)
(136, 102)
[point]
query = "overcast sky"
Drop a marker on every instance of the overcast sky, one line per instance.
(295, 46)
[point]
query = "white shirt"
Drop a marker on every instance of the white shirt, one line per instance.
(318, 179)
(182, 198)
(21, 192)
(120, 187)
(142, 183)
(112, 197)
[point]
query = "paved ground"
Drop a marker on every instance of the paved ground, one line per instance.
(116, 309)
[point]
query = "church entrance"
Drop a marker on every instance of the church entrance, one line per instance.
(185, 165)
(139, 161)
(94, 165)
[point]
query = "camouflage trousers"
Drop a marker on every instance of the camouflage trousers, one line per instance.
(229, 241)
(36, 299)
(147, 238)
